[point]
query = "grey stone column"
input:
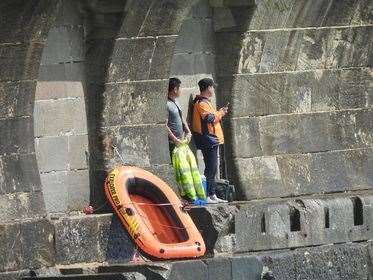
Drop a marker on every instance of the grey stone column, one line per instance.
(26, 237)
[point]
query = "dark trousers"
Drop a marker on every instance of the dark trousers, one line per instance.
(210, 157)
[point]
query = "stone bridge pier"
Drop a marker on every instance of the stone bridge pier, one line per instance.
(78, 77)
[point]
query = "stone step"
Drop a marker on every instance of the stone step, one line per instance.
(240, 227)
(27, 244)
(344, 261)
(304, 221)
(103, 276)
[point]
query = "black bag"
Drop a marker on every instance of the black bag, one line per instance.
(225, 191)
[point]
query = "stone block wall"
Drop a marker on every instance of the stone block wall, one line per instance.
(87, 239)
(26, 237)
(303, 222)
(61, 140)
(136, 83)
(300, 85)
(20, 51)
(194, 52)
(96, 246)
(299, 80)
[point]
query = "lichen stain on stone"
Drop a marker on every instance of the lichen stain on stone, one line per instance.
(339, 50)
(303, 98)
(107, 144)
(113, 69)
(312, 50)
(2, 173)
(250, 54)
(24, 199)
(365, 138)
(274, 5)
(135, 150)
(278, 225)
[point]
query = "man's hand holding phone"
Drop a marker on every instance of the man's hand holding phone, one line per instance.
(224, 109)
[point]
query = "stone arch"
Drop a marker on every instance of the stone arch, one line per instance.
(136, 81)
(59, 113)
(310, 62)
(157, 35)
(260, 163)
(24, 230)
(193, 58)
(24, 30)
(71, 78)
(197, 54)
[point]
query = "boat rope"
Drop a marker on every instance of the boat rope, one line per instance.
(152, 204)
(99, 208)
(160, 224)
(185, 207)
(178, 204)
(119, 155)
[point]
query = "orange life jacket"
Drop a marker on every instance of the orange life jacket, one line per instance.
(206, 120)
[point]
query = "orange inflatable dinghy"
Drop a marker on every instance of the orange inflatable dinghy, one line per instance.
(152, 214)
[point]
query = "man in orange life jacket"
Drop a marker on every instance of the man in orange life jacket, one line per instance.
(208, 134)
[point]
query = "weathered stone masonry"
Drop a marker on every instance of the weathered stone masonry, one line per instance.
(301, 95)
(61, 142)
(26, 236)
(299, 79)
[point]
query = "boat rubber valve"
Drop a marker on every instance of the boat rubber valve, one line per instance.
(129, 211)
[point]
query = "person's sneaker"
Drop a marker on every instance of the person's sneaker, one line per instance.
(214, 197)
(210, 200)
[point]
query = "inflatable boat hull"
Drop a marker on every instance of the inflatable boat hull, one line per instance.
(152, 214)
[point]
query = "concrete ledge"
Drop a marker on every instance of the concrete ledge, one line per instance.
(14, 275)
(21, 205)
(96, 238)
(227, 229)
(345, 261)
(19, 174)
(26, 245)
(216, 224)
(230, 233)
(302, 222)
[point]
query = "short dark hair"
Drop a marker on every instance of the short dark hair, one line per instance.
(173, 83)
(205, 83)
